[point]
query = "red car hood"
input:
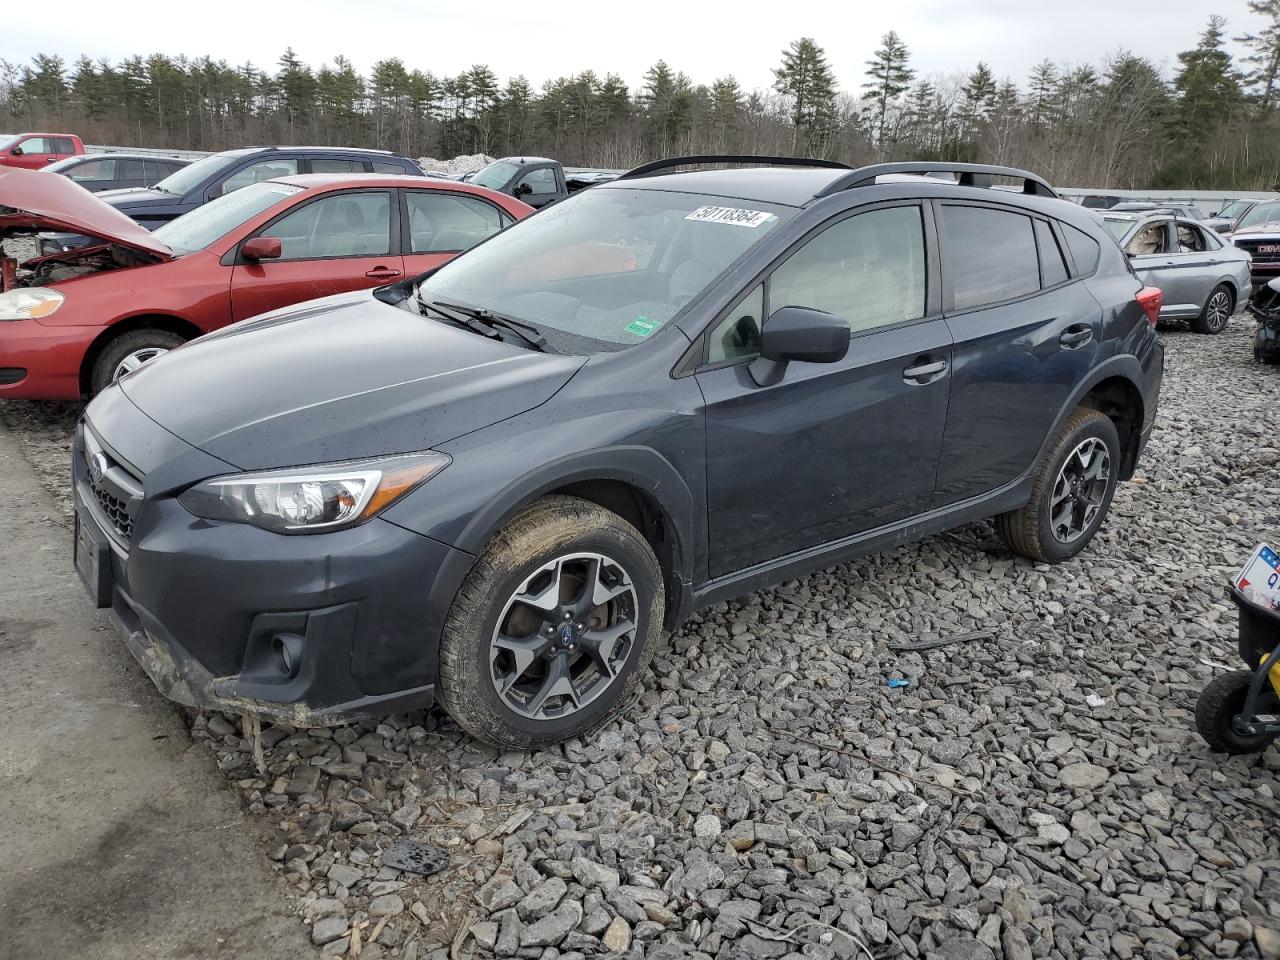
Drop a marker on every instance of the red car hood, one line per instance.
(36, 200)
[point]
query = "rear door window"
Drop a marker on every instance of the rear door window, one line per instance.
(1053, 268)
(441, 222)
(386, 166)
(133, 170)
(337, 166)
(94, 170)
(63, 146)
(989, 254)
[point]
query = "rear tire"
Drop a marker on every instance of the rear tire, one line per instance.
(526, 621)
(1217, 311)
(129, 351)
(1071, 492)
(1224, 699)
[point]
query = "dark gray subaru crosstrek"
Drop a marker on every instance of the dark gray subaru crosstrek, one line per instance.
(497, 486)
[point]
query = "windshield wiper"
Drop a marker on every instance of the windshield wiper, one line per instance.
(156, 186)
(488, 320)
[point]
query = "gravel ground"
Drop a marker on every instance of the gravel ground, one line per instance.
(1038, 793)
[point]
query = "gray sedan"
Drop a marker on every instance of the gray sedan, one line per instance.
(1203, 279)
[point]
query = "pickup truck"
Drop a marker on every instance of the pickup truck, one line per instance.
(35, 150)
(537, 181)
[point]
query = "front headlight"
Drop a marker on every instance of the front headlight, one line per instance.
(305, 499)
(29, 303)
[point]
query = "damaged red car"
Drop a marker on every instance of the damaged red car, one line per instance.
(72, 321)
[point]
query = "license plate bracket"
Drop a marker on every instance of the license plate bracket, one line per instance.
(92, 557)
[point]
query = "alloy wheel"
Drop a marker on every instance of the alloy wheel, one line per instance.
(1218, 310)
(133, 361)
(1079, 490)
(564, 636)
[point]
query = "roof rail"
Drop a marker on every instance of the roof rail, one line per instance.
(655, 166)
(968, 175)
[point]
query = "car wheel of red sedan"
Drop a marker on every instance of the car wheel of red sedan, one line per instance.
(129, 351)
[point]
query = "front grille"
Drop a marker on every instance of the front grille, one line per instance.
(114, 509)
(1262, 251)
(114, 487)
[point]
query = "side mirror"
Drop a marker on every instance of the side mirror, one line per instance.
(261, 248)
(16, 151)
(522, 190)
(799, 333)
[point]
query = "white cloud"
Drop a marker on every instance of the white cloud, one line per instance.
(544, 39)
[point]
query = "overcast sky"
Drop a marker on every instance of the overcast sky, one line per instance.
(550, 38)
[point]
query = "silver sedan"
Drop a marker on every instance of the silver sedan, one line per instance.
(1204, 280)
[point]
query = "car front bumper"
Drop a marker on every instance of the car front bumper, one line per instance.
(313, 629)
(39, 362)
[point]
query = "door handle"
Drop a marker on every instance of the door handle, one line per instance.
(924, 372)
(382, 273)
(1076, 335)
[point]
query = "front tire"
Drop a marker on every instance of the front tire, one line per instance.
(128, 352)
(1070, 494)
(553, 628)
(1217, 311)
(1223, 700)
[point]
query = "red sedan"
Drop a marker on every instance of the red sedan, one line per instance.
(74, 320)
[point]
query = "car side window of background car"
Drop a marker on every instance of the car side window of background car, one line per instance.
(257, 172)
(1053, 268)
(1151, 240)
(383, 166)
(133, 170)
(990, 255)
(337, 166)
(63, 146)
(104, 169)
(342, 225)
(868, 270)
(738, 335)
(36, 145)
(441, 222)
(541, 180)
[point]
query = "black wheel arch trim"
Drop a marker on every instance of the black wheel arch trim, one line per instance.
(1126, 367)
(639, 467)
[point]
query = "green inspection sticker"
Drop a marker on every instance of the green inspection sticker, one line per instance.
(642, 326)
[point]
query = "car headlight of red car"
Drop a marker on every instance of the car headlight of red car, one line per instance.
(318, 498)
(29, 303)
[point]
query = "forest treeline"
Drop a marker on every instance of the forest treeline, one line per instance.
(1206, 119)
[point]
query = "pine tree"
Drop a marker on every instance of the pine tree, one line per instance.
(1208, 86)
(979, 94)
(1265, 58)
(1042, 89)
(668, 100)
(890, 77)
(726, 111)
(807, 81)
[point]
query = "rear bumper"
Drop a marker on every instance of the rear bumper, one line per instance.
(48, 356)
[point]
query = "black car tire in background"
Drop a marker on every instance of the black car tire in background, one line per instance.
(550, 547)
(1217, 311)
(1030, 530)
(147, 342)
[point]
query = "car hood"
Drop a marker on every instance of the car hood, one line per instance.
(1263, 231)
(136, 197)
(342, 378)
(36, 200)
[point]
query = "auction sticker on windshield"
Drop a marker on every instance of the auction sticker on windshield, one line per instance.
(1259, 581)
(735, 216)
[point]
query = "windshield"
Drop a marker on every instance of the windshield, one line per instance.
(609, 266)
(1262, 213)
(1234, 209)
(6, 142)
(196, 173)
(495, 175)
(1118, 226)
(196, 230)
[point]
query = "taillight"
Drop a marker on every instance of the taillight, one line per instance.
(1150, 299)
